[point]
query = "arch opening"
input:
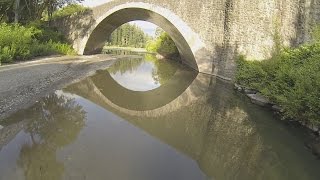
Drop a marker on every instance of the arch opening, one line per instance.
(134, 34)
(104, 29)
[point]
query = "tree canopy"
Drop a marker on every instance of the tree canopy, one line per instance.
(30, 10)
(129, 35)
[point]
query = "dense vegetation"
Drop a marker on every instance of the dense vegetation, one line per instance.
(291, 79)
(19, 43)
(163, 45)
(128, 35)
(25, 11)
(69, 10)
(25, 30)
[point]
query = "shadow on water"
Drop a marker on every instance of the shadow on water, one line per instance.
(191, 126)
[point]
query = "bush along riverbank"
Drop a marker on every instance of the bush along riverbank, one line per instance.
(289, 83)
(164, 46)
(19, 42)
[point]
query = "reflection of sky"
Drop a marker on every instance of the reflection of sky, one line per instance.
(139, 79)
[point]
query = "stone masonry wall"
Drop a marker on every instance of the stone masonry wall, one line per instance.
(229, 28)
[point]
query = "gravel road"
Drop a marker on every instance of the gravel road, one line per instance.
(22, 84)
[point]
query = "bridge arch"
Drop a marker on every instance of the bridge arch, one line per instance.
(187, 41)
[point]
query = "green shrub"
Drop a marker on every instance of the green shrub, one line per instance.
(250, 73)
(40, 49)
(46, 33)
(20, 43)
(15, 41)
(69, 10)
(316, 33)
(163, 45)
(290, 79)
(6, 54)
(62, 48)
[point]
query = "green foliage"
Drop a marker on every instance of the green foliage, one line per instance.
(44, 49)
(46, 33)
(20, 43)
(163, 45)
(31, 10)
(6, 54)
(69, 10)
(15, 42)
(316, 33)
(249, 72)
(165, 69)
(124, 66)
(128, 35)
(290, 79)
(62, 48)
(40, 49)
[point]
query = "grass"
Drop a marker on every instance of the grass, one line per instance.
(25, 42)
(290, 79)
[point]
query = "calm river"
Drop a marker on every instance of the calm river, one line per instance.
(149, 119)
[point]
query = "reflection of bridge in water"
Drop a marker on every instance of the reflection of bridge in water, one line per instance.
(219, 132)
(175, 94)
(195, 114)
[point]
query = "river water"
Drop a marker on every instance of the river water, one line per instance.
(144, 119)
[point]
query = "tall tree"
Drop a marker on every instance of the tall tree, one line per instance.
(6, 10)
(30, 10)
(128, 35)
(53, 5)
(16, 11)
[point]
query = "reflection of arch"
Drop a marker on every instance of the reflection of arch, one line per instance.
(187, 41)
(148, 100)
(220, 133)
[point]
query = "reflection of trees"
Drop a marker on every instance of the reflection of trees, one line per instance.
(39, 162)
(164, 70)
(53, 123)
(119, 52)
(125, 65)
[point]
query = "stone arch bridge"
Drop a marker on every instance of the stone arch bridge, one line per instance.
(209, 34)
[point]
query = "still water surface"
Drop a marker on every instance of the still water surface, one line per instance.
(143, 119)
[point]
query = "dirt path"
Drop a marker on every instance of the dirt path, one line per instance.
(23, 84)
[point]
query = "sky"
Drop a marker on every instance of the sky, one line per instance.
(147, 27)
(92, 3)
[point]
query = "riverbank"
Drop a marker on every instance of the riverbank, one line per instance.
(24, 83)
(289, 80)
(257, 98)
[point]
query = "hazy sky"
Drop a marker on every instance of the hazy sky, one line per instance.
(145, 26)
(92, 3)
